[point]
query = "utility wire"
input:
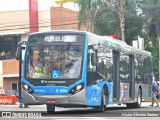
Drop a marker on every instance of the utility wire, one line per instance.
(55, 21)
(42, 26)
(39, 26)
(51, 22)
(61, 19)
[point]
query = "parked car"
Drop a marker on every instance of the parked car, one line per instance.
(12, 92)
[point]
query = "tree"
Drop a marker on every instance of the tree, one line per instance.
(118, 6)
(107, 25)
(88, 13)
(134, 21)
(151, 16)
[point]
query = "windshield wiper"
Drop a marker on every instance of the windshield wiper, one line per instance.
(66, 47)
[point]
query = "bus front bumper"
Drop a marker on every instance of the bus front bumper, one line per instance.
(34, 99)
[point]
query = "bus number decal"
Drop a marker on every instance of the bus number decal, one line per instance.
(61, 90)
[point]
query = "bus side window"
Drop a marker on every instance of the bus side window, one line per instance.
(90, 67)
(92, 74)
(137, 69)
(124, 66)
(147, 70)
(105, 63)
(141, 68)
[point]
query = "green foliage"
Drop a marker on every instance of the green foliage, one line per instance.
(107, 25)
(89, 13)
(134, 25)
(151, 14)
(141, 16)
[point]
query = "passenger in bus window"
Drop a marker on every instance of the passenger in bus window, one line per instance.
(3, 54)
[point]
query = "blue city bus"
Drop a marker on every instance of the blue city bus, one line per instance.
(68, 68)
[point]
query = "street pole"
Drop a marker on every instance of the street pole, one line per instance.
(159, 65)
(158, 34)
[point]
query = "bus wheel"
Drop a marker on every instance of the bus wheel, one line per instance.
(139, 99)
(50, 108)
(104, 101)
(138, 103)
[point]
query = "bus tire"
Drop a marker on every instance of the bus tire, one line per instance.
(50, 108)
(104, 101)
(138, 103)
(139, 99)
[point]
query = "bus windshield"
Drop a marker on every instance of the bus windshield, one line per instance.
(56, 60)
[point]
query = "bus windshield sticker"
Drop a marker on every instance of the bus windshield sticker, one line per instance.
(110, 43)
(56, 74)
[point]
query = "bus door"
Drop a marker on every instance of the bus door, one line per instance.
(131, 77)
(126, 77)
(116, 77)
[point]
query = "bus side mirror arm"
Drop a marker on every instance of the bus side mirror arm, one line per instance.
(93, 59)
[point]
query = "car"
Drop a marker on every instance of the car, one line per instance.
(12, 92)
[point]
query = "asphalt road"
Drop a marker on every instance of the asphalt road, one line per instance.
(112, 111)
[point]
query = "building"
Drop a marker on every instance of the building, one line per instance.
(17, 25)
(62, 19)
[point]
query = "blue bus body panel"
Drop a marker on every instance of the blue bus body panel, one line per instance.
(52, 90)
(94, 93)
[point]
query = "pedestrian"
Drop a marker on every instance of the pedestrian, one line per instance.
(154, 90)
(23, 105)
(26, 106)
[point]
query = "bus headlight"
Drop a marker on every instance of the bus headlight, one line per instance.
(76, 89)
(79, 87)
(27, 88)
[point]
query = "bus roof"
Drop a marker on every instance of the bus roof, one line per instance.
(123, 45)
(114, 41)
(59, 31)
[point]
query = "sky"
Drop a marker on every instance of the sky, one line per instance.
(14, 5)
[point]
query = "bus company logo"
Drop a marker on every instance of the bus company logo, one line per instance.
(43, 81)
(55, 74)
(6, 115)
(20, 115)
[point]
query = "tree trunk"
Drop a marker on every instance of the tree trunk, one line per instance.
(122, 20)
(122, 27)
(120, 12)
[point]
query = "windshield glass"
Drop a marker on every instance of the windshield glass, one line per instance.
(54, 60)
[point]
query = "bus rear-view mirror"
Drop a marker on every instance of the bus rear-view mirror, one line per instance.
(18, 52)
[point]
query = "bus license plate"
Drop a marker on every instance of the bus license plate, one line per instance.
(51, 101)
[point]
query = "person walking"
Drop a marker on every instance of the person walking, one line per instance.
(154, 90)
